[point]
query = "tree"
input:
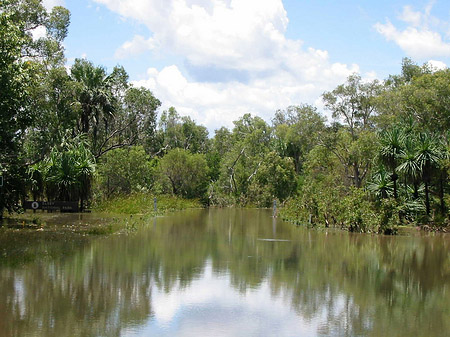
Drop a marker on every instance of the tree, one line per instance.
(381, 185)
(68, 171)
(186, 172)
(251, 139)
(409, 165)
(55, 113)
(354, 104)
(420, 93)
(23, 63)
(429, 154)
(391, 148)
(140, 106)
(125, 170)
(297, 131)
(95, 96)
(275, 179)
(16, 77)
(179, 132)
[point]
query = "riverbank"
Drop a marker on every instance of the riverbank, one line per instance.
(360, 219)
(120, 214)
(124, 214)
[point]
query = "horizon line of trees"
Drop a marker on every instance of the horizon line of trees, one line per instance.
(73, 134)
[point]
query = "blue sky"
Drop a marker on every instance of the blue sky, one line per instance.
(215, 60)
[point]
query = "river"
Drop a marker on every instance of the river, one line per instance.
(223, 272)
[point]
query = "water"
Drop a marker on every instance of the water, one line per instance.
(224, 272)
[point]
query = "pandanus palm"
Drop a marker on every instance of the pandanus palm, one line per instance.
(86, 169)
(429, 154)
(410, 165)
(69, 171)
(381, 184)
(391, 142)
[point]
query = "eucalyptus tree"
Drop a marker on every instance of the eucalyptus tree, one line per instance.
(186, 173)
(251, 137)
(427, 98)
(175, 131)
(17, 77)
(251, 170)
(220, 145)
(125, 170)
(354, 104)
(140, 107)
(297, 130)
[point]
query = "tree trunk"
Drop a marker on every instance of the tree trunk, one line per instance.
(394, 178)
(441, 194)
(427, 198)
(85, 119)
(356, 175)
(416, 190)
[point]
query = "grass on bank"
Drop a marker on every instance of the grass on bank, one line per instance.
(143, 203)
(109, 216)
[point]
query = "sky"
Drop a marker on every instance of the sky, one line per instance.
(215, 60)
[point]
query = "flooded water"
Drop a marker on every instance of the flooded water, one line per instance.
(224, 272)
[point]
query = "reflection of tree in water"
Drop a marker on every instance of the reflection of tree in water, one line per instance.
(352, 284)
(76, 296)
(370, 285)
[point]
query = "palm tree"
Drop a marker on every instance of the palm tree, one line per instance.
(86, 169)
(69, 171)
(429, 154)
(443, 167)
(95, 95)
(409, 164)
(381, 184)
(391, 142)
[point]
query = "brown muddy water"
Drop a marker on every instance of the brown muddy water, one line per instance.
(222, 272)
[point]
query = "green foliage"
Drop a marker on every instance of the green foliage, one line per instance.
(125, 171)
(381, 184)
(141, 106)
(66, 174)
(297, 131)
(178, 132)
(275, 179)
(16, 78)
(143, 203)
(418, 158)
(184, 173)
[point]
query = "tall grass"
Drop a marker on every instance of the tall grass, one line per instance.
(143, 203)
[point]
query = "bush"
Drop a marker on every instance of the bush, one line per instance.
(184, 174)
(125, 171)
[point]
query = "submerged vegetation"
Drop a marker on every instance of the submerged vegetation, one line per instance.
(87, 135)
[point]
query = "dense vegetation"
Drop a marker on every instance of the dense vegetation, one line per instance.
(84, 134)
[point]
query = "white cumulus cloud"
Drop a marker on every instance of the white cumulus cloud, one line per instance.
(421, 38)
(236, 53)
(49, 4)
(137, 46)
(437, 65)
